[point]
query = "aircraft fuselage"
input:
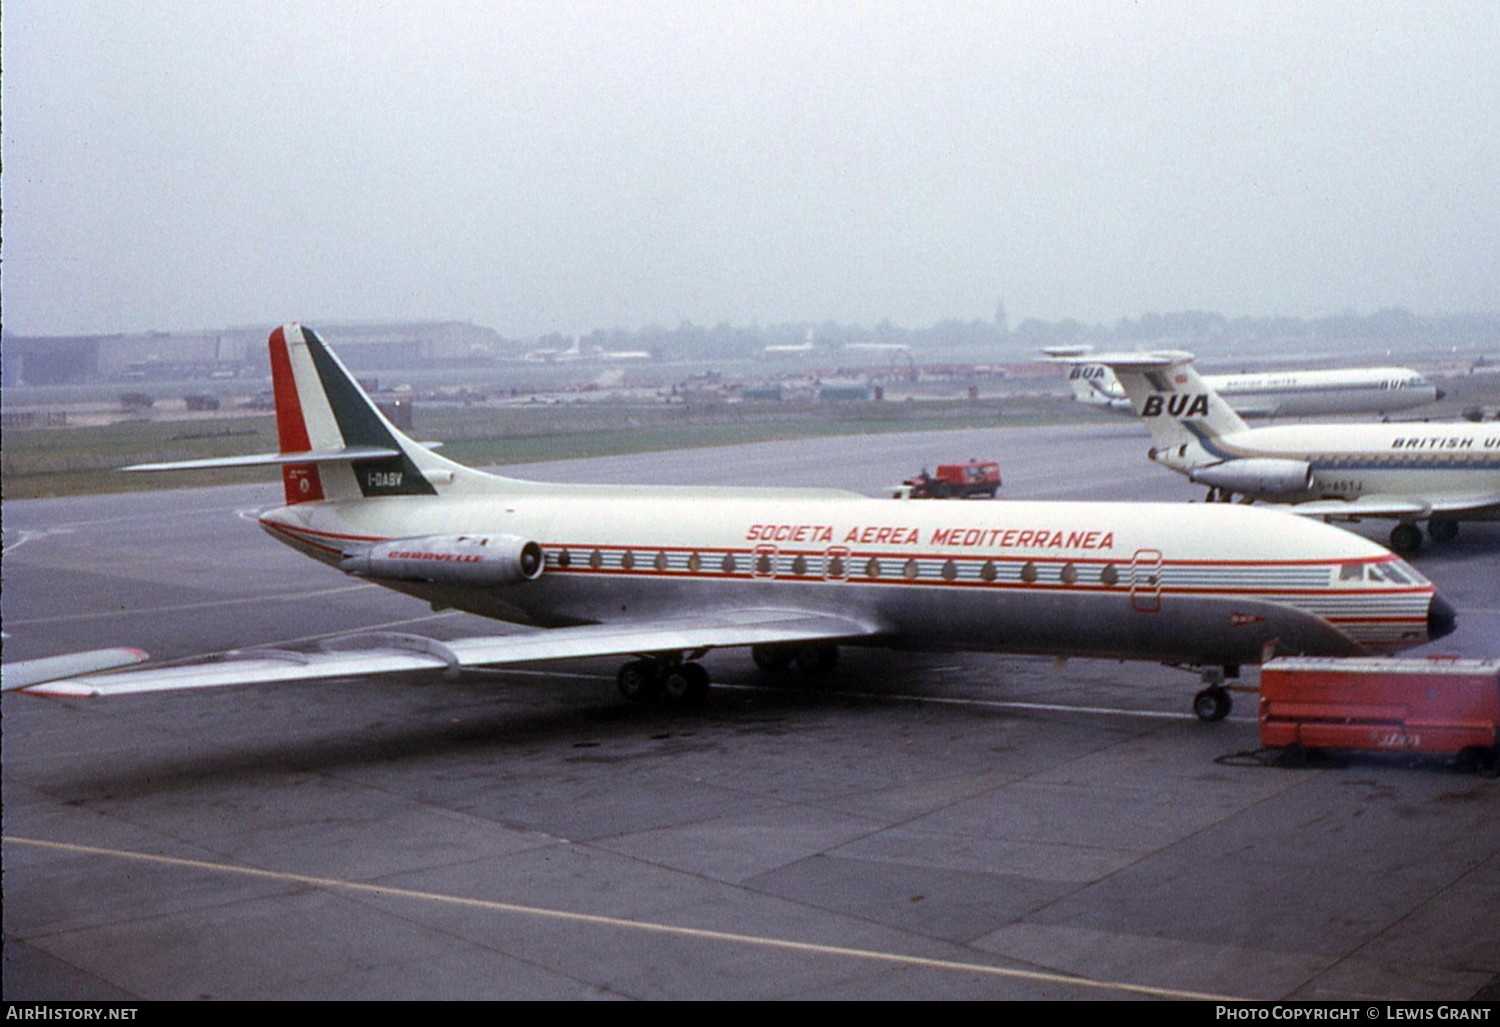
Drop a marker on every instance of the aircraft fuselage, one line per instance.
(1361, 459)
(1148, 581)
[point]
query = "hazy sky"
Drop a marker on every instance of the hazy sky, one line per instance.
(540, 166)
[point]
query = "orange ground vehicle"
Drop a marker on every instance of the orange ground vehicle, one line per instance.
(1436, 705)
(956, 481)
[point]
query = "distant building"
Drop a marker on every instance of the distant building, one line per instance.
(838, 391)
(235, 352)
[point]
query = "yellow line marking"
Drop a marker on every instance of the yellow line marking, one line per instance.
(784, 944)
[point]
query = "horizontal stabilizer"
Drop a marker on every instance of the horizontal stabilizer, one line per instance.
(1068, 354)
(362, 655)
(1141, 361)
(327, 456)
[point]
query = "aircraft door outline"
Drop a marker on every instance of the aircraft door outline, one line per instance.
(1145, 580)
(836, 563)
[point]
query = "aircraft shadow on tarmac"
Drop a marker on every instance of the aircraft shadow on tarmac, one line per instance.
(494, 711)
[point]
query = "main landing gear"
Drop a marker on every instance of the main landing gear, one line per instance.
(1407, 537)
(682, 682)
(811, 660)
(1442, 529)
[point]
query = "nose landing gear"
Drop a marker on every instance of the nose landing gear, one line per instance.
(1214, 702)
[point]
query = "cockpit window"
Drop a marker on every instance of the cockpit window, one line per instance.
(1386, 572)
(1402, 574)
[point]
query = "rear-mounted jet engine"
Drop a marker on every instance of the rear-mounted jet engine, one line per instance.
(1257, 476)
(449, 560)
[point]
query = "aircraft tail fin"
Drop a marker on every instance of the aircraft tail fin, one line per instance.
(353, 450)
(1168, 394)
(333, 442)
(1091, 382)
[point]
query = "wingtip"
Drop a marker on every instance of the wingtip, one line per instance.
(60, 690)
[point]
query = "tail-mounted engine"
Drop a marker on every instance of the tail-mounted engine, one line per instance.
(482, 560)
(1257, 476)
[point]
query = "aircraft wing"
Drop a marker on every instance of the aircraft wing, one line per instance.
(386, 653)
(1399, 506)
(24, 673)
(1465, 504)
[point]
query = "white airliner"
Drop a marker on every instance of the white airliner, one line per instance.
(807, 345)
(1345, 390)
(575, 353)
(879, 348)
(663, 574)
(1438, 472)
(787, 350)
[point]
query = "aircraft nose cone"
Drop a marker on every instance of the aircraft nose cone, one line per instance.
(1442, 618)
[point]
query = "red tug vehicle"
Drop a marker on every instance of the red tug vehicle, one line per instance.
(955, 481)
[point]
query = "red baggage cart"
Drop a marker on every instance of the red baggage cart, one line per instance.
(1434, 705)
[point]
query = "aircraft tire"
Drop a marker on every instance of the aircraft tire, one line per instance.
(771, 658)
(638, 681)
(1406, 538)
(686, 684)
(1442, 529)
(816, 659)
(1212, 704)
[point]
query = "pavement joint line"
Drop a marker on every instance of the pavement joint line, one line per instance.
(937, 700)
(543, 912)
(237, 601)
